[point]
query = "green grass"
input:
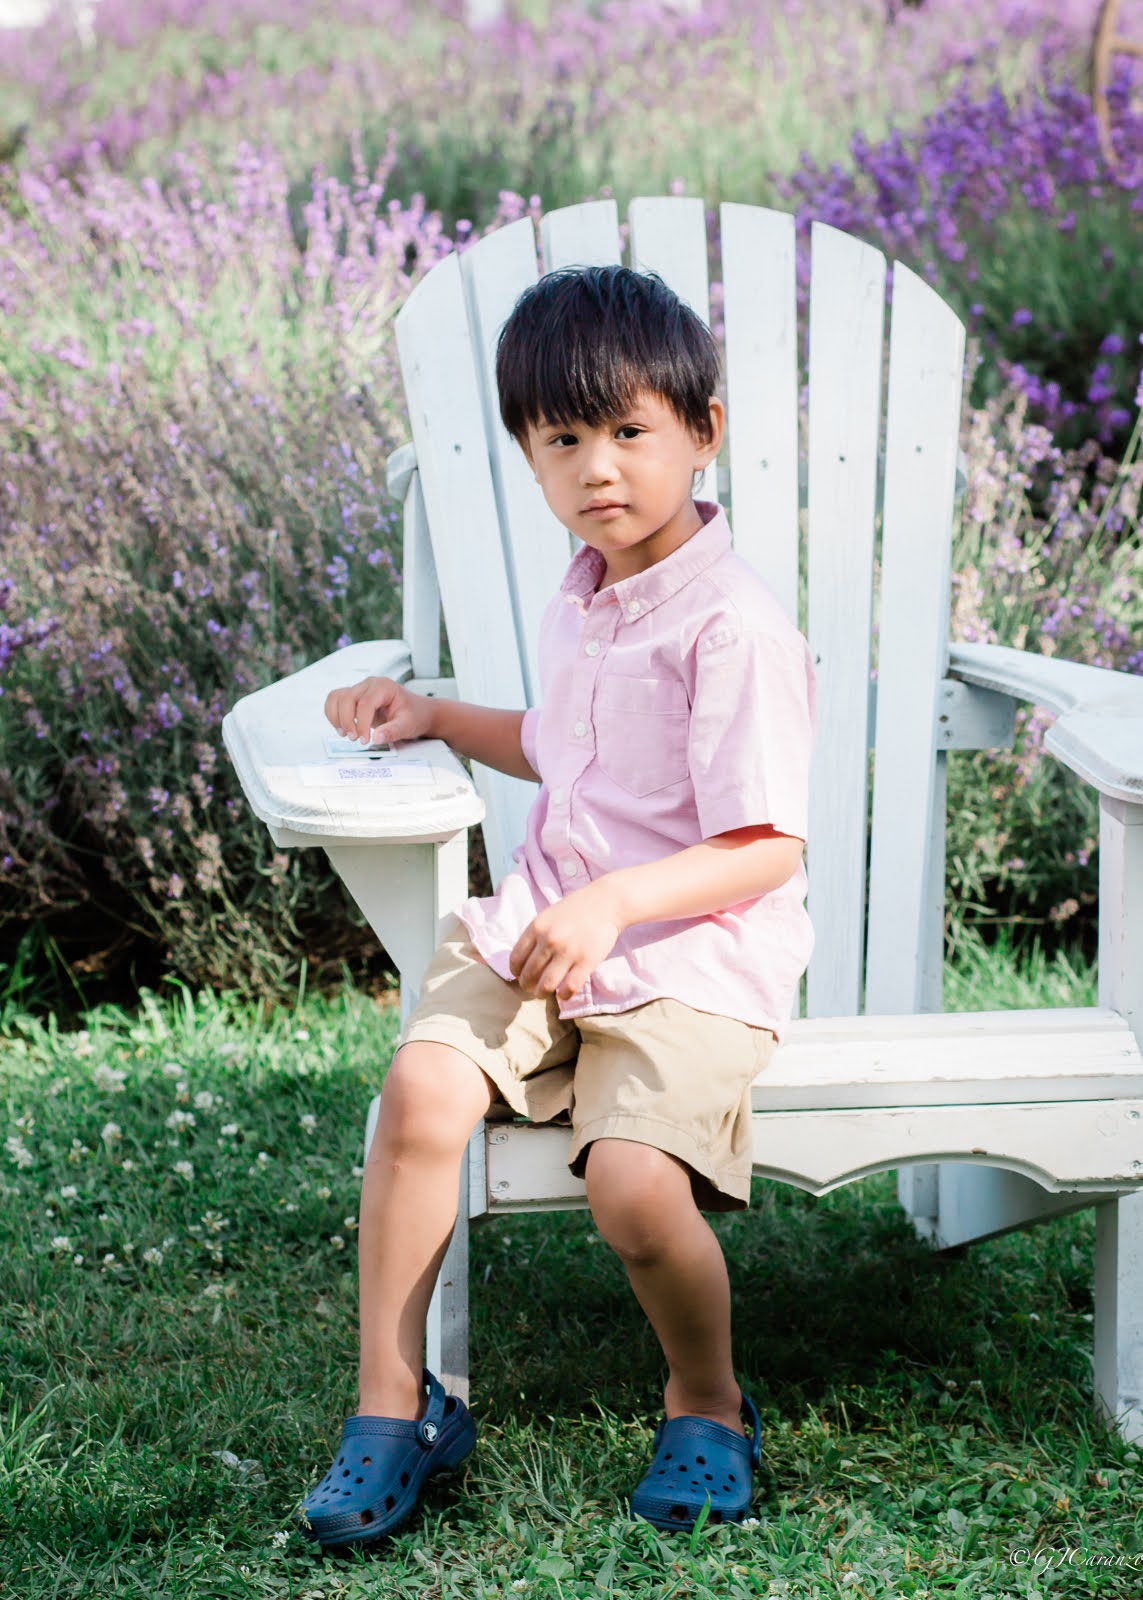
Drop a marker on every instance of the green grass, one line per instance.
(925, 1420)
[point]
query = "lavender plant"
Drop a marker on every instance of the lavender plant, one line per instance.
(1008, 208)
(1048, 557)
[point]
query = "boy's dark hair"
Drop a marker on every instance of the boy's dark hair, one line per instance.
(582, 342)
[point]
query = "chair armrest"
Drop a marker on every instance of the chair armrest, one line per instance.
(277, 735)
(1098, 732)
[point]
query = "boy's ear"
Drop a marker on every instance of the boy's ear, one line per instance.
(709, 448)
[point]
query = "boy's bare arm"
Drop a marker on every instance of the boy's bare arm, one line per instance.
(384, 710)
(712, 876)
(483, 734)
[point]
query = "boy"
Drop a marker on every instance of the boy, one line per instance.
(634, 968)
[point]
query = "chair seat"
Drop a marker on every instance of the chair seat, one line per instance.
(1054, 1095)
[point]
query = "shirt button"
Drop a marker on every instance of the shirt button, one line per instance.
(559, 796)
(571, 868)
(580, 729)
(634, 608)
(592, 647)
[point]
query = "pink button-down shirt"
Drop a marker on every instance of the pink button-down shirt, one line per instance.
(677, 704)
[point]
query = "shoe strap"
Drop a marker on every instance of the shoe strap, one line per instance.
(750, 1411)
(429, 1426)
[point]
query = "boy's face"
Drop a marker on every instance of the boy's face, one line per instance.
(625, 487)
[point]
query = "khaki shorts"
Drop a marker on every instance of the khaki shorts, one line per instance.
(661, 1073)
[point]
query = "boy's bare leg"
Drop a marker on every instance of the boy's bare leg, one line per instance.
(432, 1098)
(642, 1203)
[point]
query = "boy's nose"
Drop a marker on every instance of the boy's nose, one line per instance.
(597, 464)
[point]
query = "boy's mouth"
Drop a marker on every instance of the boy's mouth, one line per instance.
(601, 508)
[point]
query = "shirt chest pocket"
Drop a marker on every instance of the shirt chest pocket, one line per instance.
(641, 732)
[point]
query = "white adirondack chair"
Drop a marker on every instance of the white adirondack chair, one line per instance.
(993, 1120)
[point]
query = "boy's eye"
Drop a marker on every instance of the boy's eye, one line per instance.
(629, 427)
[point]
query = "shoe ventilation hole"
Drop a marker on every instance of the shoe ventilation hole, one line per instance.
(359, 1480)
(340, 1460)
(700, 1461)
(732, 1478)
(345, 1474)
(679, 1513)
(404, 1479)
(366, 1516)
(389, 1502)
(715, 1516)
(367, 1461)
(708, 1477)
(667, 1457)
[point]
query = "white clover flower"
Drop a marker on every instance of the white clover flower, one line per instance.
(349, 1223)
(203, 1100)
(68, 1192)
(302, 1035)
(184, 1169)
(214, 1222)
(182, 1092)
(78, 1150)
(337, 1242)
(78, 1260)
(171, 1069)
(128, 1248)
(307, 1121)
(213, 1291)
(323, 1191)
(287, 1205)
(280, 1539)
(358, 1172)
(262, 1158)
(60, 1242)
(112, 1079)
(104, 1216)
(748, 1522)
(230, 1048)
(82, 1044)
(229, 1130)
(18, 1152)
(128, 1165)
(111, 1133)
(109, 1259)
(153, 1257)
(49, 1211)
(519, 1583)
(180, 1119)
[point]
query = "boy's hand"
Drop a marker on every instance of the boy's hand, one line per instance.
(563, 944)
(381, 709)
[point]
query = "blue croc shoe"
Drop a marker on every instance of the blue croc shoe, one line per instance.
(381, 1464)
(697, 1461)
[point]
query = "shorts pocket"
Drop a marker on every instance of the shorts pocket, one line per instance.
(641, 727)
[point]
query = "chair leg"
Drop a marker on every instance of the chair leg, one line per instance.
(446, 1336)
(1119, 1313)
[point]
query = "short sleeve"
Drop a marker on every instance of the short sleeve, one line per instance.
(753, 716)
(528, 736)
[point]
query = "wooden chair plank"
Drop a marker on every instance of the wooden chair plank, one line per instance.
(586, 235)
(537, 549)
(761, 316)
(926, 364)
(446, 412)
(847, 301)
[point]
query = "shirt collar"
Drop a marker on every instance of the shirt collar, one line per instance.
(645, 590)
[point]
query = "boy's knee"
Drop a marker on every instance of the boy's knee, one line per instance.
(432, 1098)
(636, 1193)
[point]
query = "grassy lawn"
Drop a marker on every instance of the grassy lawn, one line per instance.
(177, 1352)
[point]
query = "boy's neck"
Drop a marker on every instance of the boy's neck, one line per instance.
(641, 557)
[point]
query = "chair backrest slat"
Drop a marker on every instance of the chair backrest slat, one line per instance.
(537, 548)
(446, 411)
(926, 363)
(847, 315)
(586, 235)
(668, 236)
(761, 315)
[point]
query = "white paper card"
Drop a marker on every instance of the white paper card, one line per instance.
(341, 775)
